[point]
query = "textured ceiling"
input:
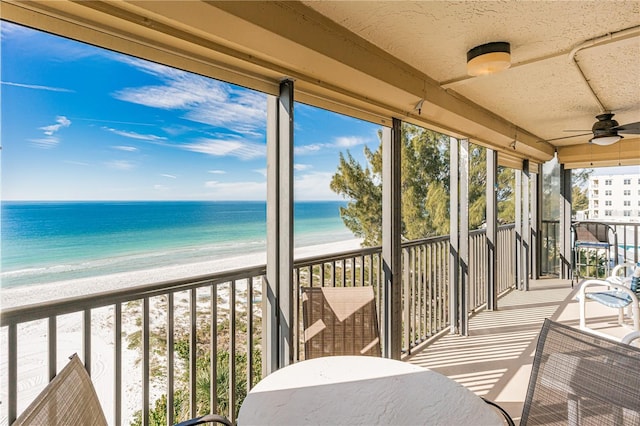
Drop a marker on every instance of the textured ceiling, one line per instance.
(543, 92)
(378, 60)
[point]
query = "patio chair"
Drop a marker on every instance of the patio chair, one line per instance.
(591, 238)
(615, 295)
(71, 399)
(340, 321)
(579, 378)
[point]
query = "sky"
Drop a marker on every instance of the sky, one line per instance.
(83, 123)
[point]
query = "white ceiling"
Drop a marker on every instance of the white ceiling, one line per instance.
(377, 59)
(546, 94)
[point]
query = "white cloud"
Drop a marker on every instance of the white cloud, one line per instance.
(308, 149)
(302, 167)
(120, 164)
(46, 142)
(36, 87)
(125, 148)
(203, 100)
(263, 172)
(339, 142)
(217, 172)
(349, 141)
(134, 135)
(161, 188)
(236, 190)
(168, 176)
(61, 121)
(314, 186)
(221, 148)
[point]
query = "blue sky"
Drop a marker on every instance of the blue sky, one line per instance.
(82, 123)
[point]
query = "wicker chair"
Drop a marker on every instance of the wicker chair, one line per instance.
(340, 321)
(579, 378)
(71, 399)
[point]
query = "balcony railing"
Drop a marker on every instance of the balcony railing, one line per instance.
(199, 340)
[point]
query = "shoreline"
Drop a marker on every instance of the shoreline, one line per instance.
(32, 336)
(39, 293)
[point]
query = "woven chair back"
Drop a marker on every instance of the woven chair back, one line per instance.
(579, 378)
(340, 321)
(69, 399)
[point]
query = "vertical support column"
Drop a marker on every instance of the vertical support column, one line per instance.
(454, 249)
(566, 268)
(278, 307)
(536, 223)
(518, 242)
(391, 238)
(464, 236)
(526, 225)
(492, 228)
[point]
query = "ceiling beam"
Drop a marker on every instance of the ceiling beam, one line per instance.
(263, 42)
(626, 152)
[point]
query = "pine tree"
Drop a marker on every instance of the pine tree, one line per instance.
(425, 187)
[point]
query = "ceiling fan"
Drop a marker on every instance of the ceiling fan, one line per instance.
(605, 130)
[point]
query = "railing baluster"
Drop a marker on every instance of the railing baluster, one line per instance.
(12, 373)
(117, 361)
(193, 347)
(53, 346)
(145, 361)
(232, 350)
(86, 339)
(170, 358)
(213, 360)
(250, 334)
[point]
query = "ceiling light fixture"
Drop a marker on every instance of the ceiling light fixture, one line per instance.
(603, 130)
(489, 58)
(605, 140)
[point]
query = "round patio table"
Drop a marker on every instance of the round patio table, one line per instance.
(352, 390)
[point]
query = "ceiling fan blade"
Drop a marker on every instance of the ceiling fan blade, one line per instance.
(631, 128)
(566, 137)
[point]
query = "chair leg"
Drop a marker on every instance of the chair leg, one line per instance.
(636, 316)
(583, 313)
(620, 316)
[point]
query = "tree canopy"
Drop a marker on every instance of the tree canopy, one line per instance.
(425, 187)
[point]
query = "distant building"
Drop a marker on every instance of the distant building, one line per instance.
(614, 198)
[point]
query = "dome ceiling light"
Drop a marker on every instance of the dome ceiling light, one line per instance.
(489, 58)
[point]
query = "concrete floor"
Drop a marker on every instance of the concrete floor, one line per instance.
(494, 361)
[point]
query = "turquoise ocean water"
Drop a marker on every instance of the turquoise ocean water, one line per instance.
(54, 241)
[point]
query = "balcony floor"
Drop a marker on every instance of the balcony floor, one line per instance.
(495, 360)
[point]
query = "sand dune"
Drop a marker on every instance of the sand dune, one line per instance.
(32, 337)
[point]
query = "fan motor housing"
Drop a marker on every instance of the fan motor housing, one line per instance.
(604, 126)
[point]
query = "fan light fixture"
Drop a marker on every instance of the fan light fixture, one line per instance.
(605, 140)
(489, 58)
(603, 132)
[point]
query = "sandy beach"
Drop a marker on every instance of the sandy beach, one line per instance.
(32, 337)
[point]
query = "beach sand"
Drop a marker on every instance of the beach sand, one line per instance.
(32, 337)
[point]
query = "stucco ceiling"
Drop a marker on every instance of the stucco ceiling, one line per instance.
(543, 92)
(377, 60)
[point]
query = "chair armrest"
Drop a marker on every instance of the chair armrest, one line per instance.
(209, 418)
(596, 283)
(618, 268)
(502, 411)
(631, 337)
(614, 286)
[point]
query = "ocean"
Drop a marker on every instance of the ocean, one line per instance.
(43, 242)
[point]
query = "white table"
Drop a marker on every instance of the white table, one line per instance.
(362, 390)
